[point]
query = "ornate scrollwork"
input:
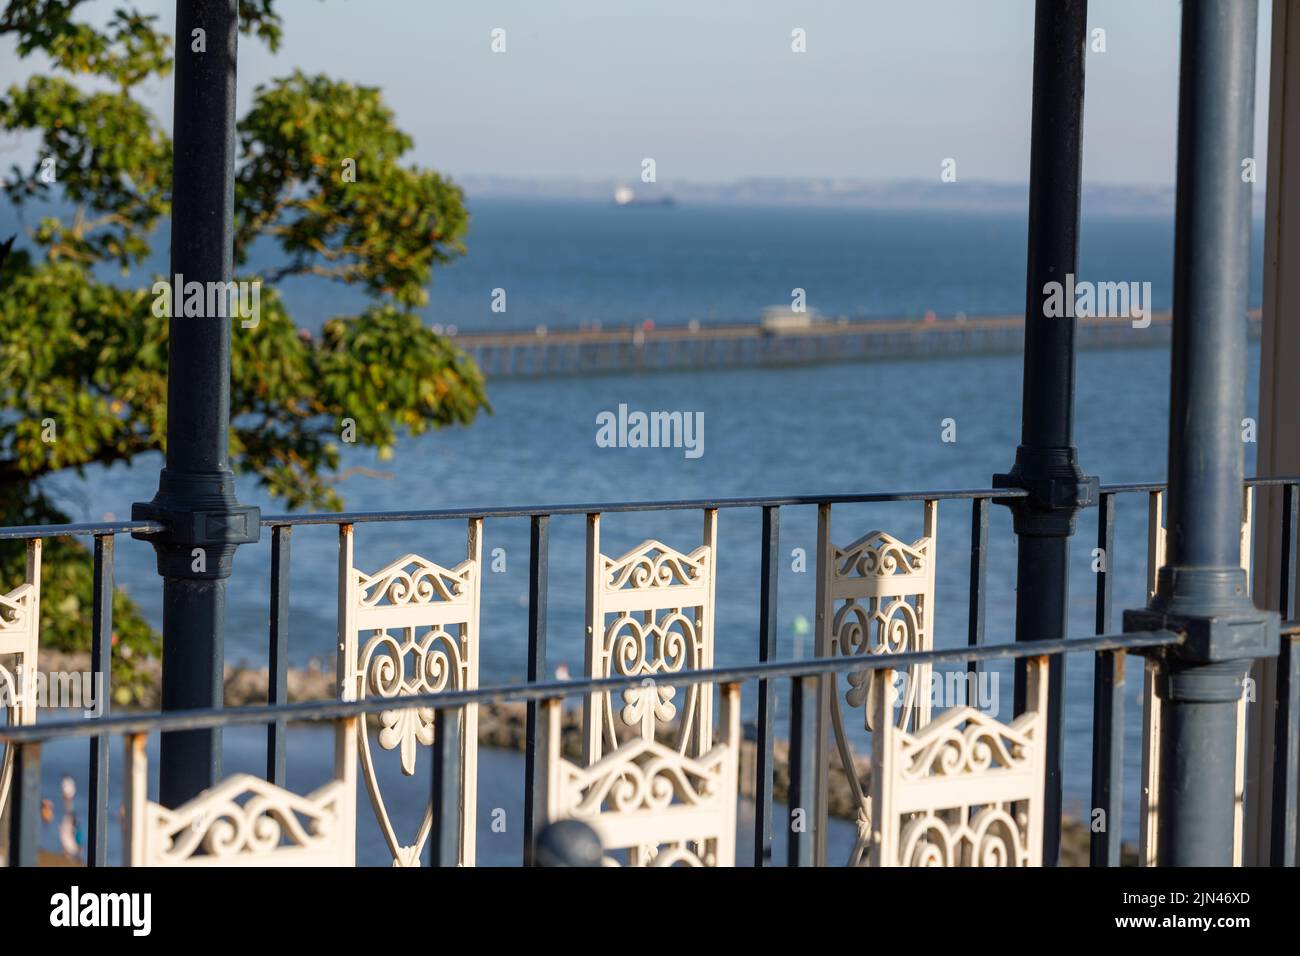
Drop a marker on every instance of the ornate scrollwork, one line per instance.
(653, 564)
(966, 790)
(878, 599)
(990, 836)
(18, 648)
(948, 749)
(244, 816)
(436, 664)
(879, 554)
(411, 580)
(667, 644)
(639, 781)
(15, 609)
(413, 633)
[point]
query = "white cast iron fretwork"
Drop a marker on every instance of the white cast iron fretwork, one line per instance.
(649, 615)
(874, 596)
(1151, 709)
(662, 806)
(411, 628)
(964, 790)
(243, 820)
(20, 627)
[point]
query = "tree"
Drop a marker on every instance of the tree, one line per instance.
(83, 361)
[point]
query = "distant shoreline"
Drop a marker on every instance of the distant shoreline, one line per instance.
(1110, 200)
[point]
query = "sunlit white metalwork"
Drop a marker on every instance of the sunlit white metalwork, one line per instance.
(20, 626)
(1148, 854)
(660, 805)
(411, 628)
(874, 596)
(243, 820)
(964, 790)
(649, 615)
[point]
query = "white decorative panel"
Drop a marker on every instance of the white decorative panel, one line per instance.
(20, 626)
(243, 820)
(658, 804)
(411, 628)
(874, 596)
(649, 615)
(965, 789)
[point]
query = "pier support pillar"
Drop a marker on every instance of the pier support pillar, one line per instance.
(1201, 591)
(1046, 464)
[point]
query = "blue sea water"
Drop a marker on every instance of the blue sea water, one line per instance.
(567, 263)
(842, 428)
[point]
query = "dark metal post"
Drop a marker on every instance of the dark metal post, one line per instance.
(25, 805)
(1201, 590)
(1286, 754)
(1047, 463)
(767, 626)
(801, 819)
(277, 670)
(101, 663)
(1107, 711)
(444, 838)
(979, 542)
(196, 495)
(538, 581)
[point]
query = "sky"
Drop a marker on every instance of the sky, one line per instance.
(711, 90)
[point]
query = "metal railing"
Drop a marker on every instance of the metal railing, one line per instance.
(1109, 652)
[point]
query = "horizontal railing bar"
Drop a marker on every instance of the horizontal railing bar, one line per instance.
(615, 507)
(89, 528)
(695, 503)
(92, 528)
(304, 711)
(1149, 486)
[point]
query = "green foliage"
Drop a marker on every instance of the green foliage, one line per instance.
(302, 139)
(91, 355)
(67, 577)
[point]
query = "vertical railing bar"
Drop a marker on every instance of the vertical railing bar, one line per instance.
(1286, 754)
(803, 772)
(538, 567)
(1107, 758)
(101, 664)
(1107, 710)
(767, 624)
(277, 686)
(25, 805)
(979, 540)
(1290, 503)
(1106, 542)
(444, 836)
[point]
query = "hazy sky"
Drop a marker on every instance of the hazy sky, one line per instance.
(711, 90)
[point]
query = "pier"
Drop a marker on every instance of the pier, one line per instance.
(560, 352)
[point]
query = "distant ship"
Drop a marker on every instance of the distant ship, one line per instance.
(623, 196)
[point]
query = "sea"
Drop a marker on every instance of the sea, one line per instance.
(868, 427)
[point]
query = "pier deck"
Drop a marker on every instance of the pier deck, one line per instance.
(532, 354)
